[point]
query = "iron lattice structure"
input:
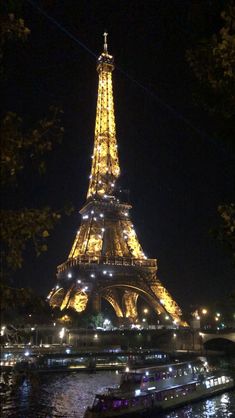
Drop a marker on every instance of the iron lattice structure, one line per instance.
(106, 259)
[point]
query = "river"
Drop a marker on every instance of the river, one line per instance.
(68, 394)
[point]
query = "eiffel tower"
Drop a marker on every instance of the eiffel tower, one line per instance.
(106, 260)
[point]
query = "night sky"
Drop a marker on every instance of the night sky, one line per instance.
(175, 169)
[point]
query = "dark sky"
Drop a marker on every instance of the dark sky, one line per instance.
(176, 171)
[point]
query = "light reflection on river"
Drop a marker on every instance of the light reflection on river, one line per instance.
(68, 395)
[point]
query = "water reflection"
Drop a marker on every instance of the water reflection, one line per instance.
(67, 396)
(222, 406)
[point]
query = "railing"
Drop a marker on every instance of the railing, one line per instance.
(105, 260)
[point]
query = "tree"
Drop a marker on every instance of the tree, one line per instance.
(18, 149)
(226, 232)
(213, 65)
(212, 62)
(97, 320)
(11, 29)
(22, 147)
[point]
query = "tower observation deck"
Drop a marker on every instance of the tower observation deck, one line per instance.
(106, 260)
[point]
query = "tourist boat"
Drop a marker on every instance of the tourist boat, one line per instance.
(159, 388)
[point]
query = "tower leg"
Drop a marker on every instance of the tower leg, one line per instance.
(129, 302)
(112, 297)
(170, 306)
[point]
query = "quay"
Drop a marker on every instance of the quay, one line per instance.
(70, 360)
(109, 350)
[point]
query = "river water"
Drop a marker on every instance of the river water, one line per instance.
(68, 394)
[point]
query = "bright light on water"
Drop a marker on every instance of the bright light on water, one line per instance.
(68, 395)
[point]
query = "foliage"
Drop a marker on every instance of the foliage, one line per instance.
(82, 319)
(11, 29)
(18, 227)
(97, 320)
(213, 63)
(226, 232)
(18, 303)
(21, 148)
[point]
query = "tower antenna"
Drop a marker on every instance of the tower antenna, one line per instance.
(105, 34)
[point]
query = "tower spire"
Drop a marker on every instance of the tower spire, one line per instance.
(105, 34)
(105, 165)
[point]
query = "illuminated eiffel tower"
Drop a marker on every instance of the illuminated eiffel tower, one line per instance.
(106, 260)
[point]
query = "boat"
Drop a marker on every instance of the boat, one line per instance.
(159, 388)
